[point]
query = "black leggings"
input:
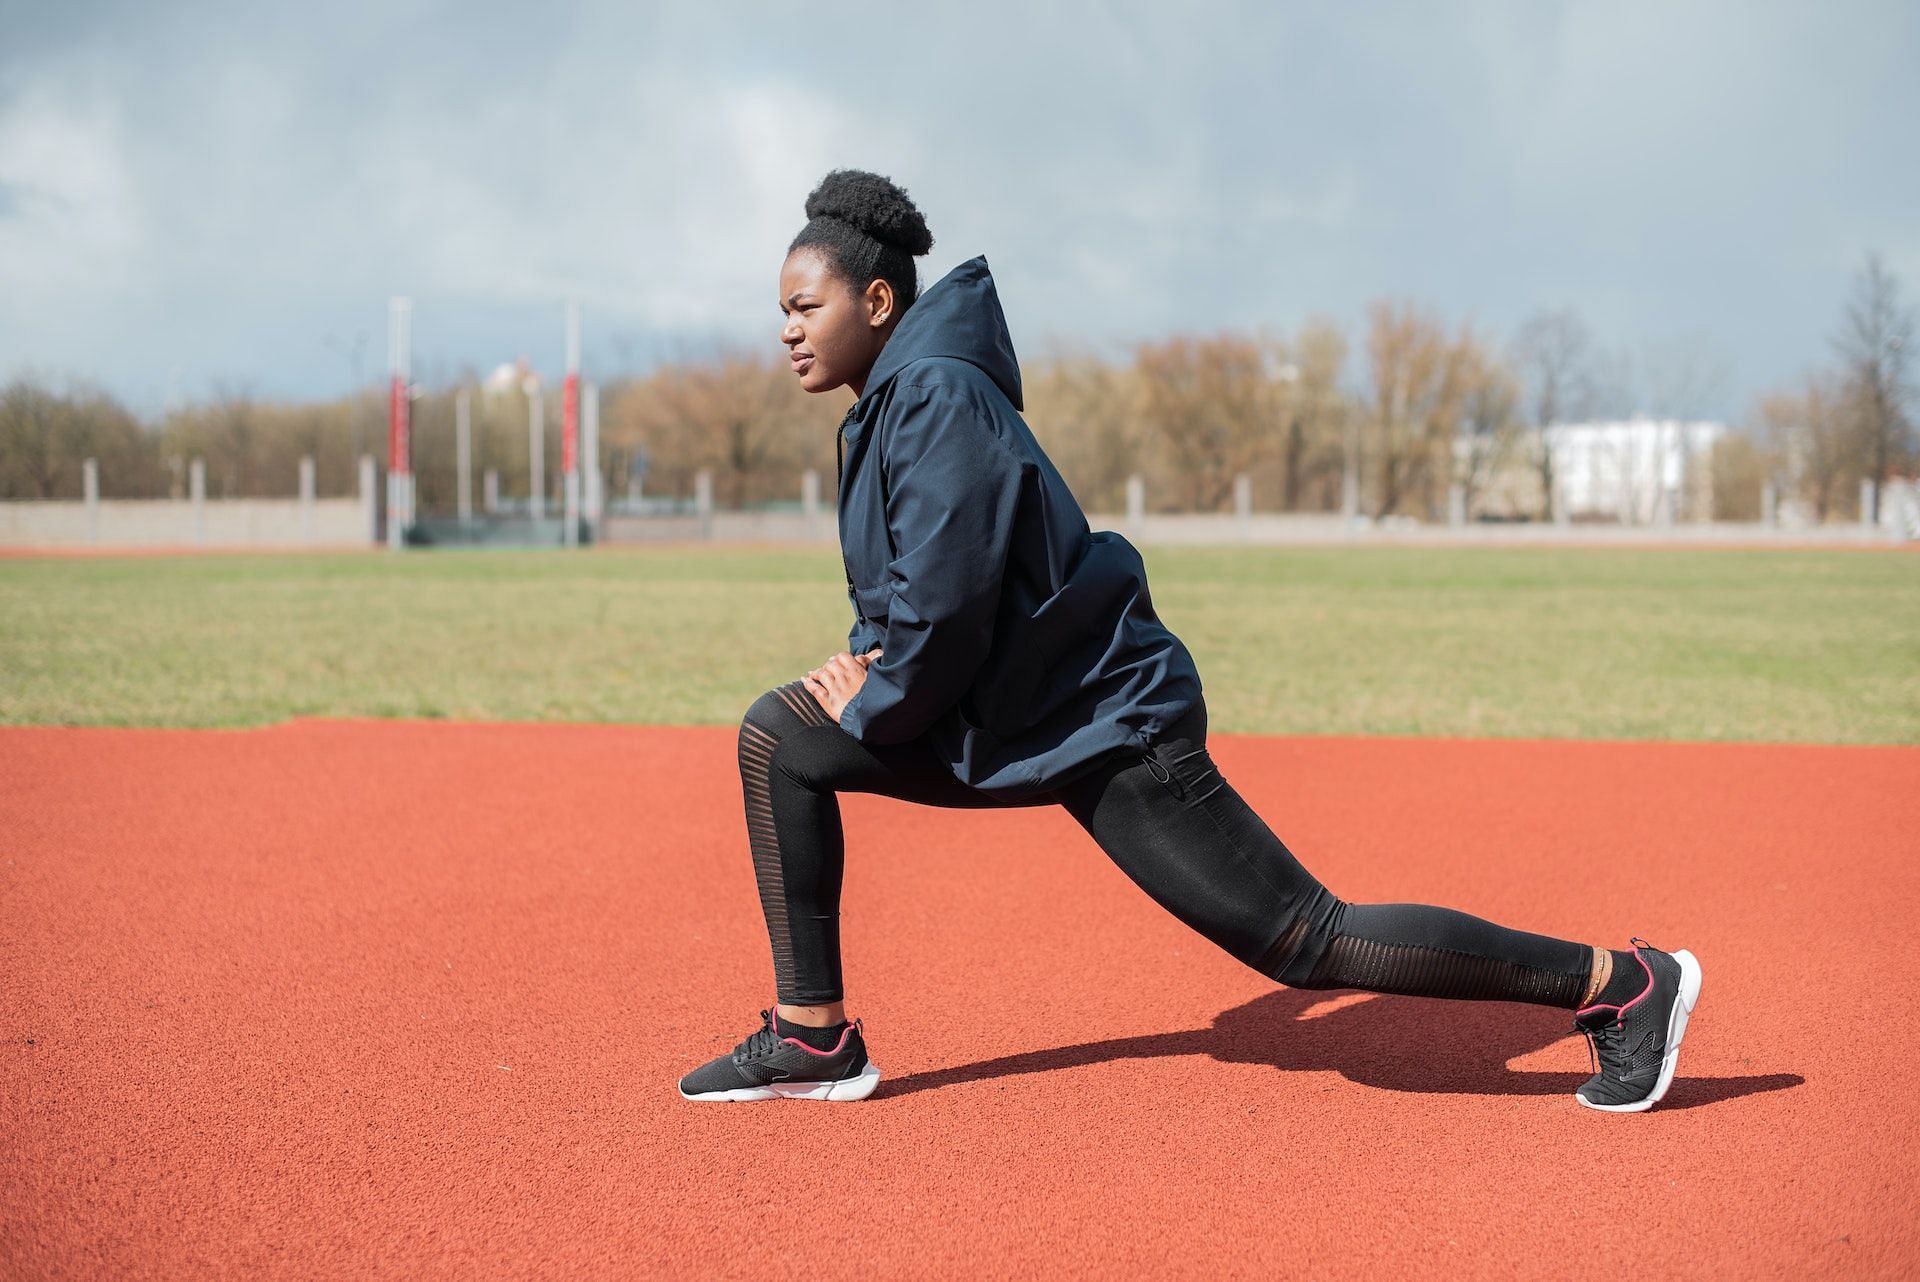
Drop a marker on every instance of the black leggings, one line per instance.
(1171, 822)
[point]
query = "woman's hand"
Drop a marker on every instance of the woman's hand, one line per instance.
(838, 680)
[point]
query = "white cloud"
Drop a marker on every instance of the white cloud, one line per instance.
(74, 220)
(216, 189)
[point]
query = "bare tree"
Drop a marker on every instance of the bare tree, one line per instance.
(741, 414)
(1419, 385)
(1741, 468)
(1683, 378)
(1325, 415)
(1086, 414)
(1213, 411)
(1490, 425)
(228, 431)
(1876, 342)
(1553, 359)
(46, 435)
(31, 422)
(1807, 431)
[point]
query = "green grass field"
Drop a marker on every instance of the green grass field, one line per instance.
(1575, 643)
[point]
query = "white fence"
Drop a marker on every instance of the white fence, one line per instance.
(352, 522)
(194, 521)
(1899, 520)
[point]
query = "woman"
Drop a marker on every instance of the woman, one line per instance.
(1003, 654)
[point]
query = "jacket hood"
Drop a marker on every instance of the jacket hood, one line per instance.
(958, 315)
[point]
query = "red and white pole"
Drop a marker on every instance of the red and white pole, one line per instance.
(399, 419)
(570, 428)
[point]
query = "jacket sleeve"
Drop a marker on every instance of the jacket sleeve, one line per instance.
(862, 636)
(953, 488)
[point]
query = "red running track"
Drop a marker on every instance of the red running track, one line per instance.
(344, 998)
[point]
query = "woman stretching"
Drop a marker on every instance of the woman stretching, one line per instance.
(1002, 654)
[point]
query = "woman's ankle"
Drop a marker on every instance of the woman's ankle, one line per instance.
(823, 1016)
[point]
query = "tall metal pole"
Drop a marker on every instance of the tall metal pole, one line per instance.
(463, 450)
(399, 418)
(536, 456)
(595, 495)
(1349, 471)
(570, 429)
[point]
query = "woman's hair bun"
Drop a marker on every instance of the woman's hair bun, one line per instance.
(874, 205)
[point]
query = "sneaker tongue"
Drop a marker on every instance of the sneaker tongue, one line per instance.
(1596, 1017)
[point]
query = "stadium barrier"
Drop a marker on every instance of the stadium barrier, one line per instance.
(1898, 520)
(196, 520)
(1892, 517)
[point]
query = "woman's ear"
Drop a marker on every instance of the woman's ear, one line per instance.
(879, 302)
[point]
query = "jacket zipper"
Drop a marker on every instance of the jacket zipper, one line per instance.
(839, 494)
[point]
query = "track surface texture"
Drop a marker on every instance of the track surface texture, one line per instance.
(346, 998)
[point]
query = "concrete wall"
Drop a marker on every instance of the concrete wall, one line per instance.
(173, 523)
(1277, 529)
(1288, 528)
(815, 523)
(782, 527)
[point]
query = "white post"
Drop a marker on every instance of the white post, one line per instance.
(1868, 492)
(369, 508)
(197, 490)
(1561, 517)
(463, 451)
(1136, 501)
(570, 433)
(703, 500)
(536, 457)
(90, 486)
(596, 496)
(490, 490)
(399, 417)
(1904, 502)
(1456, 505)
(1769, 505)
(1243, 503)
(393, 510)
(1349, 494)
(306, 497)
(810, 497)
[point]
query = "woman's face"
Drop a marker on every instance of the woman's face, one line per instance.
(832, 333)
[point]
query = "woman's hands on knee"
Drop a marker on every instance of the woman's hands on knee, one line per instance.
(837, 680)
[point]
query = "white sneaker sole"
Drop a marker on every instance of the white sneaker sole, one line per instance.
(1683, 1006)
(857, 1087)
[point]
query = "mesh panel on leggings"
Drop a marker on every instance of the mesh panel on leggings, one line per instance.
(756, 763)
(1274, 961)
(1418, 970)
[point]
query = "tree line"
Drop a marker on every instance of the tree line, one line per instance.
(1395, 415)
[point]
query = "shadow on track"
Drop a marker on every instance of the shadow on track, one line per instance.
(1394, 1043)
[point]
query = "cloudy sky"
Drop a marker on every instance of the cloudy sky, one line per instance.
(201, 195)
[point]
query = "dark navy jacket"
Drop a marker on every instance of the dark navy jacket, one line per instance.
(1021, 644)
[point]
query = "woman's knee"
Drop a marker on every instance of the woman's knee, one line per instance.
(784, 709)
(769, 712)
(1310, 925)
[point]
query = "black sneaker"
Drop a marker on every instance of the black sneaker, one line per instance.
(1637, 1043)
(771, 1066)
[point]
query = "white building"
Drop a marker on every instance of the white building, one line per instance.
(1642, 471)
